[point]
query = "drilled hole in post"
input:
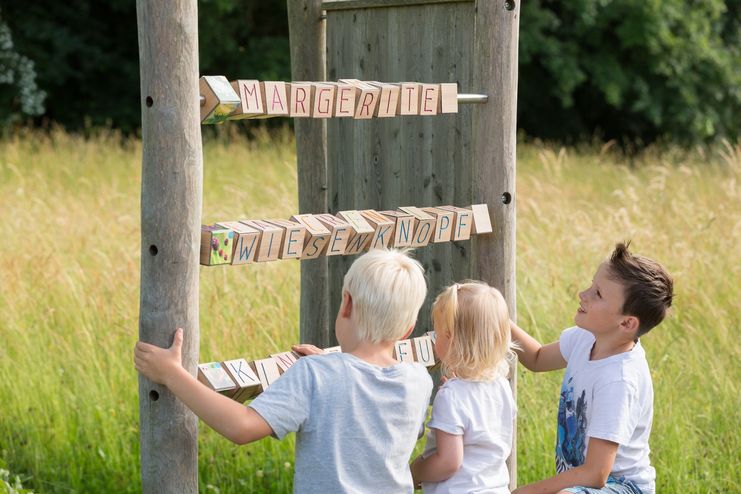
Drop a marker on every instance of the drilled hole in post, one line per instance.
(149, 101)
(154, 395)
(506, 198)
(509, 5)
(153, 250)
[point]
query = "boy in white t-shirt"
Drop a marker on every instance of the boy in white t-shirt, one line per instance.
(356, 414)
(606, 404)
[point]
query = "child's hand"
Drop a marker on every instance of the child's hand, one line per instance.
(157, 363)
(307, 349)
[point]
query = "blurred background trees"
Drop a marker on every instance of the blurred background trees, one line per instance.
(631, 70)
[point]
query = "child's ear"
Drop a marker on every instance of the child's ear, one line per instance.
(346, 307)
(630, 324)
(409, 332)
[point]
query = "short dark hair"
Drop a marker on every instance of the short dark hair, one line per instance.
(648, 288)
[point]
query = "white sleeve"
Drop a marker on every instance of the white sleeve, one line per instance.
(446, 414)
(616, 412)
(286, 403)
(567, 341)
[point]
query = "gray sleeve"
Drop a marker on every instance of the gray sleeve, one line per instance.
(286, 403)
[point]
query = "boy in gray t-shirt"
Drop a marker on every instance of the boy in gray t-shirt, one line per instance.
(356, 414)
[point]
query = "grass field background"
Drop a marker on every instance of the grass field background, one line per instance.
(69, 283)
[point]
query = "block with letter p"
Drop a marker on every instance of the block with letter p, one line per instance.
(462, 222)
(316, 238)
(443, 224)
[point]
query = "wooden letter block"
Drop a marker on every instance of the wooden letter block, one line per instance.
(245, 240)
(317, 236)
(481, 219)
(345, 101)
(215, 377)
(276, 98)
(268, 249)
(424, 226)
(403, 351)
(362, 232)
(221, 99)
(409, 98)
(293, 238)
(404, 231)
(423, 351)
(339, 233)
(449, 97)
(333, 349)
(248, 384)
(367, 101)
(388, 101)
(461, 223)
(252, 101)
(323, 95)
(216, 245)
(443, 224)
(300, 99)
(383, 227)
(431, 335)
(285, 360)
(267, 371)
(429, 99)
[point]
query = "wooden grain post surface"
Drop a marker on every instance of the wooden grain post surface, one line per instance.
(172, 169)
(307, 39)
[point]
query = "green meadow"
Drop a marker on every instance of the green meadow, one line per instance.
(69, 299)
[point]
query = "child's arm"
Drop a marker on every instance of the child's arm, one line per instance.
(443, 463)
(533, 355)
(229, 418)
(593, 473)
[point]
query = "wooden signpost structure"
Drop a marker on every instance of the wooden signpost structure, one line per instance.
(344, 164)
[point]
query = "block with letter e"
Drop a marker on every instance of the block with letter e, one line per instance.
(345, 95)
(340, 231)
(248, 384)
(362, 232)
(213, 375)
(462, 222)
(292, 243)
(220, 99)
(271, 236)
(316, 237)
(429, 99)
(383, 229)
(216, 245)
(444, 222)
(404, 230)
(366, 98)
(245, 241)
(424, 225)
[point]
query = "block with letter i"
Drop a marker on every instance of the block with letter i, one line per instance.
(267, 371)
(293, 238)
(424, 225)
(248, 384)
(245, 241)
(285, 360)
(220, 99)
(316, 237)
(424, 351)
(251, 99)
(481, 219)
(388, 101)
(214, 376)
(362, 232)
(383, 229)
(403, 351)
(216, 245)
(339, 233)
(462, 222)
(444, 221)
(404, 230)
(268, 248)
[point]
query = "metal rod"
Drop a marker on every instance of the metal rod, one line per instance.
(203, 100)
(472, 98)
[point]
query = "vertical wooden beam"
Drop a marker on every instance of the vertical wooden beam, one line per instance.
(307, 38)
(496, 34)
(172, 181)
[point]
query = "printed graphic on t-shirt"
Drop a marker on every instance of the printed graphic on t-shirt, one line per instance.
(572, 428)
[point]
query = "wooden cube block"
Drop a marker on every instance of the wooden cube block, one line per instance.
(362, 232)
(481, 219)
(216, 245)
(333, 349)
(384, 227)
(285, 360)
(449, 97)
(324, 100)
(292, 244)
(403, 351)
(267, 371)
(429, 99)
(221, 99)
(404, 230)
(424, 225)
(276, 98)
(300, 99)
(316, 238)
(345, 95)
(245, 240)
(339, 233)
(431, 335)
(248, 384)
(423, 351)
(367, 101)
(443, 224)
(251, 99)
(409, 96)
(462, 222)
(271, 236)
(214, 376)
(388, 100)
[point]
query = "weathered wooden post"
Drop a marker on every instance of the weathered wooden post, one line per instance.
(172, 169)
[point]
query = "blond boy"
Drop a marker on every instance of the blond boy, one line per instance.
(356, 414)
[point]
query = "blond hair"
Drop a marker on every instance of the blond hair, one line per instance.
(387, 288)
(476, 318)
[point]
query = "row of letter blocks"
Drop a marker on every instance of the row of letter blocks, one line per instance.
(241, 380)
(351, 98)
(308, 236)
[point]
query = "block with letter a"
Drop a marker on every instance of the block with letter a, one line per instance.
(248, 383)
(316, 238)
(276, 98)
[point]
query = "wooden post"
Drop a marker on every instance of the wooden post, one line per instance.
(494, 140)
(307, 38)
(172, 181)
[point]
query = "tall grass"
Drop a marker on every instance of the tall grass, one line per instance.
(69, 282)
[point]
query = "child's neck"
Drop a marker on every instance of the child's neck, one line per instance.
(380, 354)
(607, 346)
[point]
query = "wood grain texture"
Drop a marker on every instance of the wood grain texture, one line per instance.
(172, 177)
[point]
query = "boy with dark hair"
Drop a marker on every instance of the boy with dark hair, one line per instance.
(606, 405)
